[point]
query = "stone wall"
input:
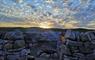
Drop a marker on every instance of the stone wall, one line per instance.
(77, 45)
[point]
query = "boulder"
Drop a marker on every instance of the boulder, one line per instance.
(15, 45)
(65, 58)
(2, 43)
(70, 35)
(85, 50)
(82, 37)
(14, 35)
(90, 35)
(89, 45)
(73, 43)
(65, 50)
(90, 57)
(80, 56)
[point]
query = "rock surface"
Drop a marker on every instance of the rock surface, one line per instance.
(77, 45)
(80, 45)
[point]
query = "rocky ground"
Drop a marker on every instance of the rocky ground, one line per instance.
(42, 44)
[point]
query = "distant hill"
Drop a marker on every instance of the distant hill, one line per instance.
(38, 28)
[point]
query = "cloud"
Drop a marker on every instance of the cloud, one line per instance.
(19, 1)
(91, 24)
(71, 24)
(48, 13)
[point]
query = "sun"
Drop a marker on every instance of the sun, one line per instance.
(46, 25)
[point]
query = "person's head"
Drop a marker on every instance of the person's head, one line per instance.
(62, 36)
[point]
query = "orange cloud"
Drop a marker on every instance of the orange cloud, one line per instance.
(71, 24)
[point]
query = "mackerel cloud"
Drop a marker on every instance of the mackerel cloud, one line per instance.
(51, 13)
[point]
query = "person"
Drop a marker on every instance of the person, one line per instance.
(60, 42)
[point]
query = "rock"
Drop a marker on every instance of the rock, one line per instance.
(65, 50)
(14, 35)
(89, 45)
(70, 35)
(69, 58)
(74, 49)
(83, 37)
(2, 43)
(24, 54)
(80, 56)
(2, 34)
(65, 58)
(78, 35)
(73, 43)
(13, 57)
(19, 44)
(15, 45)
(2, 49)
(90, 35)
(8, 46)
(2, 58)
(31, 58)
(18, 55)
(90, 57)
(84, 50)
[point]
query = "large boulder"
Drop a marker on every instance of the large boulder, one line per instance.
(79, 56)
(72, 35)
(15, 40)
(2, 49)
(14, 35)
(15, 45)
(90, 35)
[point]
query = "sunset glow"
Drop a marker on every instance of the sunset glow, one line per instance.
(37, 13)
(46, 25)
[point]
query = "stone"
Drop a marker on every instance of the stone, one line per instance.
(13, 56)
(78, 35)
(90, 57)
(8, 46)
(19, 44)
(2, 43)
(2, 58)
(15, 45)
(85, 50)
(24, 54)
(65, 58)
(74, 49)
(80, 56)
(69, 58)
(90, 35)
(2, 34)
(83, 37)
(65, 50)
(70, 35)
(14, 35)
(73, 43)
(31, 58)
(89, 45)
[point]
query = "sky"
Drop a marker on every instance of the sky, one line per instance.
(47, 13)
